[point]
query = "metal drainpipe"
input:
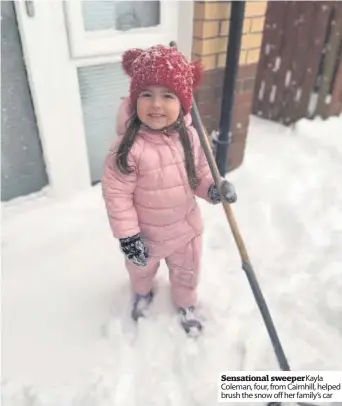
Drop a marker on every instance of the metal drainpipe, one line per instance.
(228, 94)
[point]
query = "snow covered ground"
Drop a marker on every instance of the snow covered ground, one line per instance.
(67, 339)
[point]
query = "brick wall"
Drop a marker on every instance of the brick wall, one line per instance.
(210, 37)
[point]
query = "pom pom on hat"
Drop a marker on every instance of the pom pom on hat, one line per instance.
(162, 66)
(128, 58)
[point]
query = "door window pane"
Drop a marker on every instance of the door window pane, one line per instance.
(120, 15)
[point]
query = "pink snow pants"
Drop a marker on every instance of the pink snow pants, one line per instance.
(184, 268)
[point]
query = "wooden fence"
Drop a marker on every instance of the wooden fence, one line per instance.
(300, 69)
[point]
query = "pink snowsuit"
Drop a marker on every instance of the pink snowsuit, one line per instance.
(156, 200)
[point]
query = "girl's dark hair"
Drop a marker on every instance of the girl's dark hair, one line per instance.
(130, 136)
(126, 145)
(188, 153)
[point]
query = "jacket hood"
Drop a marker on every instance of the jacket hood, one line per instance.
(125, 113)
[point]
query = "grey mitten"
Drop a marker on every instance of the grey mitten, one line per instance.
(228, 192)
(135, 250)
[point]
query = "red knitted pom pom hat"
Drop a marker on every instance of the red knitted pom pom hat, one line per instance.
(162, 66)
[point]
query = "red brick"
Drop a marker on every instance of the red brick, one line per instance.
(244, 98)
(214, 77)
(205, 108)
(239, 86)
(205, 94)
(240, 122)
(248, 84)
(240, 135)
(235, 154)
(247, 71)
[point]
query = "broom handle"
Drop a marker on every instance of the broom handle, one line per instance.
(218, 181)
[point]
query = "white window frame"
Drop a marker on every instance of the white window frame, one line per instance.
(105, 42)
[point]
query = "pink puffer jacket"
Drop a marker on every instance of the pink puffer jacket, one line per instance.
(156, 199)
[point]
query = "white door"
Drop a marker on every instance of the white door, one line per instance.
(73, 51)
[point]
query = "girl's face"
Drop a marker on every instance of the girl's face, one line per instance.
(158, 107)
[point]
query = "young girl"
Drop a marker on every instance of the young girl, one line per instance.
(152, 174)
